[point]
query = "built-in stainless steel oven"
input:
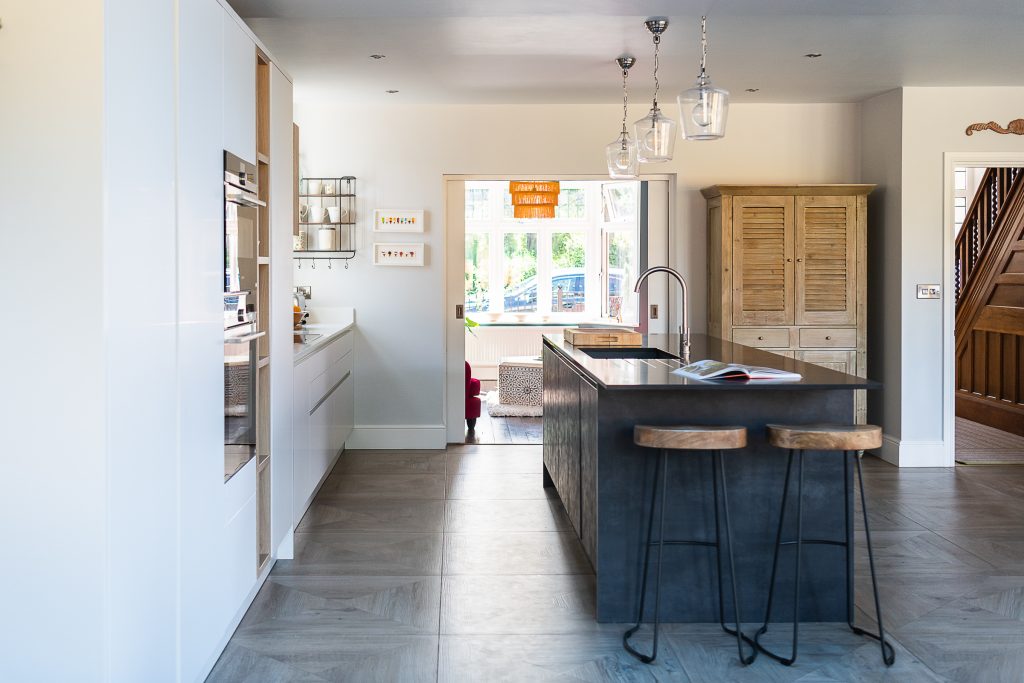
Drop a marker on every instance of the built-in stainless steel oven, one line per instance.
(241, 219)
(241, 356)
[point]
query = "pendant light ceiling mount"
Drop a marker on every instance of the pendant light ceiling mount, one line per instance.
(655, 133)
(620, 153)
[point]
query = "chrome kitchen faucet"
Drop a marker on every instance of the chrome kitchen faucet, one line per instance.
(684, 330)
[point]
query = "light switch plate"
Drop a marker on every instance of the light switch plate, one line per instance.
(929, 291)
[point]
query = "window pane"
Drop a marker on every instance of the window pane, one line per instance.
(478, 281)
(520, 272)
(568, 274)
(619, 202)
(960, 178)
(478, 205)
(620, 276)
(572, 203)
(507, 204)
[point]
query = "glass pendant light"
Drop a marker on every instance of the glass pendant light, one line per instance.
(703, 108)
(655, 133)
(621, 152)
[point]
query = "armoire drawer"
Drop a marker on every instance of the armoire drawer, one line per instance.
(766, 337)
(828, 338)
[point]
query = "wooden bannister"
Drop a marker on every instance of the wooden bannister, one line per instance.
(973, 239)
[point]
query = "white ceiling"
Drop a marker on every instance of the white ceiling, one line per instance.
(530, 51)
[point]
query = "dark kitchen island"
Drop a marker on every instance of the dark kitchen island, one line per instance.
(592, 400)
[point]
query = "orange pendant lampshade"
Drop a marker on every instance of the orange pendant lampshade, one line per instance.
(533, 198)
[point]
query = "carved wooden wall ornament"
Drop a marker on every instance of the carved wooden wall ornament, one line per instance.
(1015, 127)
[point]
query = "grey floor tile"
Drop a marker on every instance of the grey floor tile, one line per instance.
(346, 513)
(506, 486)
(342, 605)
(573, 658)
(391, 462)
(393, 486)
(515, 462)
(319, 657)
(360, 553)
(504, 515)
(521, 552)
(525, 605)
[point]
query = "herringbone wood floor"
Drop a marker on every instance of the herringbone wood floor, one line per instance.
(456, 566)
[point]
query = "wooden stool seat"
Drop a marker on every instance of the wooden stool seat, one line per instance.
(690, 437)
(825, 437)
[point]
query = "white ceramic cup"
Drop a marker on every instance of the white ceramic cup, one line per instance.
(327, 239)
(337, 214)
(312, 186)
(327, 188)
(315, 214)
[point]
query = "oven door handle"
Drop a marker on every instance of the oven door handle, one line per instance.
(236, 196)
(244, 339)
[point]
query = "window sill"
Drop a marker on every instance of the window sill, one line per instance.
(537, 320)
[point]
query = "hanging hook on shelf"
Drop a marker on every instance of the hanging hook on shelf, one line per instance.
(300, 264)
(346, 263)
(314, 263)
(330, 264)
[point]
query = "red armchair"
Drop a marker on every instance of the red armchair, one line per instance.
(472, 398)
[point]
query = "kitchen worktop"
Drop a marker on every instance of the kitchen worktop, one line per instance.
(636, 373)
(327, 332)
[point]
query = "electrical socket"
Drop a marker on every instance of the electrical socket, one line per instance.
(654, 311)
(305, 290)
(929, 291)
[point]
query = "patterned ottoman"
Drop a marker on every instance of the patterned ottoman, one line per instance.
(521, 381)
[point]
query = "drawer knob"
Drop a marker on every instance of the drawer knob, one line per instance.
(799, 260)
(760, 339)
(789, 260)
(828, 337)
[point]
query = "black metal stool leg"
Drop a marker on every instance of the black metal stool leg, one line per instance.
(796, 574)
(888, 654)
(732, 568)
(647, 659)
(775, 556)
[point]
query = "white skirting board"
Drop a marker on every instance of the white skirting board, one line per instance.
(913, 453)
(413, 437)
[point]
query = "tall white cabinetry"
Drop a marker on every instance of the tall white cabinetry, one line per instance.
(239, 90)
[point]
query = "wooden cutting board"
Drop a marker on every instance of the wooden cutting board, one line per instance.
(598, 336)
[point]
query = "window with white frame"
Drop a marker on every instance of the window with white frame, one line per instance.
(580, 265)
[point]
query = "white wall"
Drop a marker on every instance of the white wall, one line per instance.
(882, 135)
(400, 153)
(53, 477)
(931, 122)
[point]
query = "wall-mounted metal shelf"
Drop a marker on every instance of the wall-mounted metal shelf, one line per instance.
(327, 217)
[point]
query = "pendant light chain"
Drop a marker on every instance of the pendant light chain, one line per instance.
(703, 45)
(657, 44)
(625, 102)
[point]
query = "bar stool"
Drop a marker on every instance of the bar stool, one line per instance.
(686, 439)
(849, 439)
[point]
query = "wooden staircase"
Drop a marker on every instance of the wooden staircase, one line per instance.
(989, 291)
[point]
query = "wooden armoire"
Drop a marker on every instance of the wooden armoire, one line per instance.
(787, 272)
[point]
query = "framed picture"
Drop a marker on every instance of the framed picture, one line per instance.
(408, 254)
(396, 220)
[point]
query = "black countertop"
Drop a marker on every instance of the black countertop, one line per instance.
(633, 374)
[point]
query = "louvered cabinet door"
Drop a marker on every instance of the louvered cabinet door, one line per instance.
(826, 261)
(762, 261)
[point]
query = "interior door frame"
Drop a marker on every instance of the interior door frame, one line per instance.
(952, 160)
(454, 273)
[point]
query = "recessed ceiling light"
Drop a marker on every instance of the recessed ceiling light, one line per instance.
(377, 56)
(391, 92)
(752, 89)
(812, 55)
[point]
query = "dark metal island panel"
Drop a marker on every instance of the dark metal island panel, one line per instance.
(605, 481)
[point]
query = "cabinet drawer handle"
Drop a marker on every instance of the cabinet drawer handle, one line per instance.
(799, 260)
(760, 339)
(828, 338)
(789, 260)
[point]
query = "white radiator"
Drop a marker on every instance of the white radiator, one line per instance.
(491, 344)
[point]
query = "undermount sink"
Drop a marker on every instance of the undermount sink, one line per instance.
(644, 354)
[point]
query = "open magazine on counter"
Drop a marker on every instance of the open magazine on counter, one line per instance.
(713, 369)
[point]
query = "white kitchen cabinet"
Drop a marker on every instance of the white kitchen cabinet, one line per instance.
(239, 91)
(323, 415)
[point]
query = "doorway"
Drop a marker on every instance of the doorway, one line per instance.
(511, 281)
(986, 204)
